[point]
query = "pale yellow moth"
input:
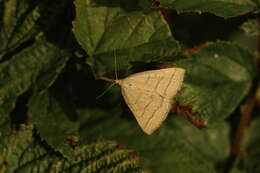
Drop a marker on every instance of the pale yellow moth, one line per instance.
(149, 95)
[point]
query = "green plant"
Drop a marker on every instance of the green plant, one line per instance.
(51, 53)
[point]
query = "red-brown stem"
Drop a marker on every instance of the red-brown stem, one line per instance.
(200, 124)
(243, 123)
(236, 150)
(186, 111)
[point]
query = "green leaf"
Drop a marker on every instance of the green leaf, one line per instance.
(54, 121)
(22, 20)
(5, 132)
(26, 68)
(15, 146)
(251, 27)
(217, 78)
(213, 143)
(24, 154)
(18, 23)
(121, 31)
(176, 145)
(250, 160)
(222, 8)
(106, 156)
(257, 2)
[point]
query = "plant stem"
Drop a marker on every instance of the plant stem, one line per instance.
(245, 117)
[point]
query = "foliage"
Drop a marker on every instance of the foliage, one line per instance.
(251, 27)
(52, 52)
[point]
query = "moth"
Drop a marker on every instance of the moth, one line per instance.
(149, 95)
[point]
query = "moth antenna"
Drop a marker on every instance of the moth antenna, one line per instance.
(115, 65)
(109, 80)
(104, 92)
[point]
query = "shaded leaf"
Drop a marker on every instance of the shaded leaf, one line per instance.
(222, 8)
(251, 27)
(22, 20)
(176, 145)
(250, 160)
(25, 154)
(5, 132)
(15, 146)
(53, 120)
(140, 35)
(18, 23)
(213, 143)
(217, 78)
(257, 2)
(24, 69)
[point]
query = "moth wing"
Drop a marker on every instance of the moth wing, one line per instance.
(149, 109)
(148, 94)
